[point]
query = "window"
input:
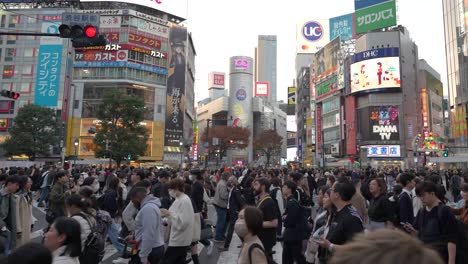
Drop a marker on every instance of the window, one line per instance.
(11, 39)
(27, 70)
(32, 19)
(26, 87)
(13, 21)
(159, 109)
(3, 19)
(9, 54)
(29, 52)
(7, 86)
(8, 71)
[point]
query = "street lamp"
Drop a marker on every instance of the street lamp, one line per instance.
(76, 151)
(181, 144)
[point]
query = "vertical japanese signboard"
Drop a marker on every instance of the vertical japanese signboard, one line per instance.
(48, 67)
(175, 97)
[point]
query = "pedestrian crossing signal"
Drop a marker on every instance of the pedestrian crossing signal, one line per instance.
(445, 153)
(9, 94)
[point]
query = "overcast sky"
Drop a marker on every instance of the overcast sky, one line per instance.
(222, 29)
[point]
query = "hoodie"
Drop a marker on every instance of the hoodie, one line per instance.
(148, 226)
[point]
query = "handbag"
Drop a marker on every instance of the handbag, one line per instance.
(130, 249)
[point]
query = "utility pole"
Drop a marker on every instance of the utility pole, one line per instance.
(207, 142)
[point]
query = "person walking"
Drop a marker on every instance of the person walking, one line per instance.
(64, 241)
(24, 199)
(220, 203)
(293, 227)
(247, 228)
(235, 204)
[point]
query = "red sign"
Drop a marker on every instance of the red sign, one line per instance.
(351, 132)
(318, 137)
(218, 79)
(144, 41)
(52, 18)
(261, 89)
(112, 36)
(122, 47)
(98, 55)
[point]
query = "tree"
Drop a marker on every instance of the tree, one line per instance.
(120, 128)
(228, 137)
(33, 133)
(269, 143)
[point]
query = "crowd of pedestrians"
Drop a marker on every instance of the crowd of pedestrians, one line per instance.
(161, 215)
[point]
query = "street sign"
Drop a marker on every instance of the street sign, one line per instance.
(81, 19)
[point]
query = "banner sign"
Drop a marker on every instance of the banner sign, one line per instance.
(262, 89)
(326, 59)
(144, 41)
(342, 26)
(360, 4)
(325, 88)
(385, 123)
(116, 64)
(48, 75)
(376, 17)
(384, 151)
(291, 95)
(98, 55)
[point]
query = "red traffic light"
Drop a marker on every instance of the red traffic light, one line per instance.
(16, 96)
(9, 94)
(90, 31)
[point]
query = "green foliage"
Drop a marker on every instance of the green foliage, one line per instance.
(34, 130)
(269, 143)
(120, 117)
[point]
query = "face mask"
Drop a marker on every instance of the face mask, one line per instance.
(241, 228)
(172, 193)
(95, 187)
(190, 177)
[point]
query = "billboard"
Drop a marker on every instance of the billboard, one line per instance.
(241, 90)
(175, 98)
(384, 151)
(351, 125)
(312, 35)
(291, 95)
(342, 26)
(100, 55)
(375, 69)
(360, 4)
(325, 88)
(385, 123)
(262, 89)
(326, 59)
(318, 128)
(216, 80)
(376, 17)
(459, 126)
(173, 7)
(49, 64)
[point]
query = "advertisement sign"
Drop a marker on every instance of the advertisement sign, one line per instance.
(173, 7)
(97, 55)
(360, 4)
(110, 21)
(81, 19)
(241, 64)
(312, 81)
(216, 80)
(318, 137)
(377, 73)
(241, 90)
(351, 125)
(424, 108)
(312, 35)
(459, 127)
(385, 123)
(291, 95)
(262, 89)
(117, 64)
(325, 88)
(383, 151)
(376, 17)
(326, 59)
(342, 26)
(175, 99)
(113, 37)
(144, 41)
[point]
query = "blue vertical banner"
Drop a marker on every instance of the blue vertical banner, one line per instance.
(360, 4)
(48, 75)
(342, 26)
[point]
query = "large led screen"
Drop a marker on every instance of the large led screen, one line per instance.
(377, 73)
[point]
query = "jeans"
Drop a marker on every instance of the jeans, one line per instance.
(175, 255)
(292, 252)
(44, 195)
(113, 233)
(156, 255)
(220, 223)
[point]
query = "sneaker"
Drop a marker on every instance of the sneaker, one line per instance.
(121, 261)
(209, 249)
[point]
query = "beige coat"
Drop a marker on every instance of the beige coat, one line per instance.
(258, 257)
(24, 218)
(359, 203)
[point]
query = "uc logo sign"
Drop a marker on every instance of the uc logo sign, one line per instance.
(312, 31)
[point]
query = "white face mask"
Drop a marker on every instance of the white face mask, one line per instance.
(172, 193)
(190, 177)
(241, 228)
(95, 187)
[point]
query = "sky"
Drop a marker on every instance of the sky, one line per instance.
(222, 29)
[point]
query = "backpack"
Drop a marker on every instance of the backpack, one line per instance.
(94, 246)
(395, 204)
(268, 257)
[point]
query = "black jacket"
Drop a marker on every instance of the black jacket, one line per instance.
(293, 224)
(235, 204)
(197, 195)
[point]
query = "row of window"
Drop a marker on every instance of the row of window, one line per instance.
(119, 73)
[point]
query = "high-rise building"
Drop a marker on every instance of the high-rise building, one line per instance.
(456, 44)
(155, 56)
(265, 64)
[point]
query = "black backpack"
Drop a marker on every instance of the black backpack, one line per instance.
(268, 257)
(395, 208)
(94, 247)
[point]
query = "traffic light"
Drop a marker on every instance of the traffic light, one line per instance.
(9, 94)
(231, 141)
(129, 157)
(445, 153)
(80, 36)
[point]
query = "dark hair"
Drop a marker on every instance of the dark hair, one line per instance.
(291, 185)
(3, 177)
(23, 181)
(296, 176)
(263, 181)
(30, 253)
(253, 219)
(275, 181)
(144, 183)
(426, 187)
(164, 174)
(88, 193)
(382, 185)
(137, 191)
(324, 189)
(72, 230)
(464, 187)
(397, 189)
(113, 183)
(177, 184)
(13, 179)
(81, 202)
(345, 189)
(197, 173)
(141, 174)
(60, 174)
(88, 181)
(406, 178)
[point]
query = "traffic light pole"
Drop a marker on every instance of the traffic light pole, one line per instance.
(29, 34)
